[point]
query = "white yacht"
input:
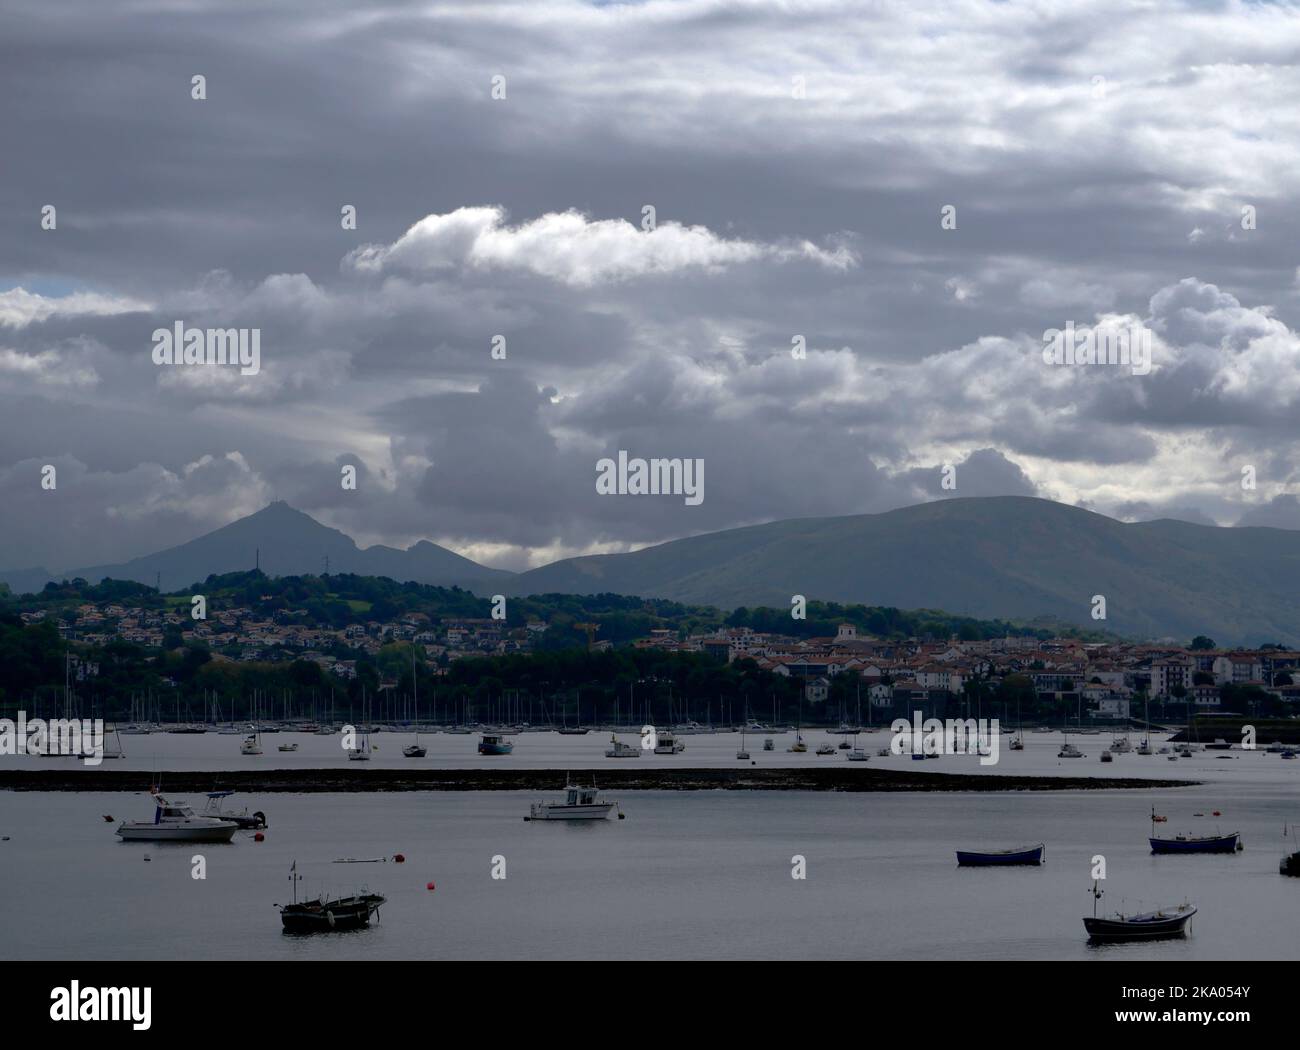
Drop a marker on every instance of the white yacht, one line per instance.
(177, 823)
(580, 803)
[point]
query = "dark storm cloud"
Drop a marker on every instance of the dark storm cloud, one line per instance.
(1099, 159)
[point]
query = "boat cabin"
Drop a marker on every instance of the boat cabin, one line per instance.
(580, 796)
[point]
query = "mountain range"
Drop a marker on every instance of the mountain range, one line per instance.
(1004, 557)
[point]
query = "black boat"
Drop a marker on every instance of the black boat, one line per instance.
(1290, 862)
(325, 915)
(1000, 857)
(1147, 926)
(322, 916)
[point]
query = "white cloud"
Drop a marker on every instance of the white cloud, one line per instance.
(19, 307)
(571, 248)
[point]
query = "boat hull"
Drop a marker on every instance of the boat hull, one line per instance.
(495, 749)
(1011, 858)
(1212, 844)
(1140, 930)
(161, 833)
(352, 913)
(600, 811)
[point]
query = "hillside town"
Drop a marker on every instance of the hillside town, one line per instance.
(1088, 680)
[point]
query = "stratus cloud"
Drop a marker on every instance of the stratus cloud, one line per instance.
(573, 249)
(19, 307)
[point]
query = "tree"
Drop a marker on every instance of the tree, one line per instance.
(1201, 642)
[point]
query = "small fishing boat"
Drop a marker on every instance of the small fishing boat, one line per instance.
(826, 749)
(580, 803)
(769, 744)
(325, 915)
(1194, 843)
(251, 745)
(177, 823)
(246, 821)
(1069, 751)
(1106, 756)
(1288, 753)
(1000, 857)
(856, 755)
(495, 744)
(1147, 926)
(1290, 862)
(287, 747)
(620, 749)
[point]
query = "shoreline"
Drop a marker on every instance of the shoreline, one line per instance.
(702, 779)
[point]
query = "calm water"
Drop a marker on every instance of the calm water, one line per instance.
(686, 875)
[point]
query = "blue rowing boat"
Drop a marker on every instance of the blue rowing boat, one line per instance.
(1000, 857)
(1190, 844)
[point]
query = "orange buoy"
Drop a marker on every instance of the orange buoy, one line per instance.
(259, 837)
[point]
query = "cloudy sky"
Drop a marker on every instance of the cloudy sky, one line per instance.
(798, 158)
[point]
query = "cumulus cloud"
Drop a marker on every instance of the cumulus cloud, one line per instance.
(573, 249)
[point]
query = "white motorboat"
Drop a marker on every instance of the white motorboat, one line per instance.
(177, 823)
(1069, 751)
(287, 747)
(620, 749)
(251, 745)
(856, 755)
(769, 744)
(826, 749)
(667, 744)
(580, 803)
